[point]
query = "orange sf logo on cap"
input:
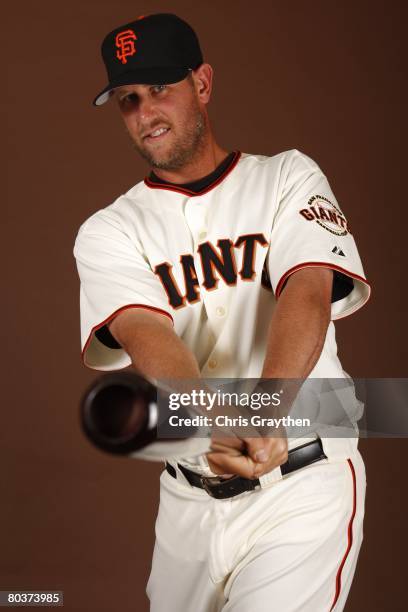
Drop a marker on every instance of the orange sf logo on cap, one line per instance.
(126, 46)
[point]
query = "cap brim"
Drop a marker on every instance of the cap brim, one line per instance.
(142, 76)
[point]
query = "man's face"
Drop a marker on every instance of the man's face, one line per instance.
(166, 122)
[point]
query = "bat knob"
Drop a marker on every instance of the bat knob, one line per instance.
(119, 413)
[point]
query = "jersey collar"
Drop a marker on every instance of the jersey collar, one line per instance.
(201, 186)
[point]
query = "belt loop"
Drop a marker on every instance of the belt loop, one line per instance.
(172, 470)
(182, 478)
(175, 471)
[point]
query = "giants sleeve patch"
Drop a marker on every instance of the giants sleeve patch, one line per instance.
(326, 214)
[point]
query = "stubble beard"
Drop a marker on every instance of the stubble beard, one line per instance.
(183, 150)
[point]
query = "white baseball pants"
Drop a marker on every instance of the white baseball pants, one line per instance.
(291, 547)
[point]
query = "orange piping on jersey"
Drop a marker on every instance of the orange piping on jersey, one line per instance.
(114, 314)
(349, 536)
(184, 191)
(320, 264)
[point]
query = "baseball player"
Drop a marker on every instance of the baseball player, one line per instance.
(224, 264)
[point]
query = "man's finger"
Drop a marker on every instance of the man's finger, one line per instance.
(228, 445)
(221, 463)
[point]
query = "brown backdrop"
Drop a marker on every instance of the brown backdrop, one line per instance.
(323, 77)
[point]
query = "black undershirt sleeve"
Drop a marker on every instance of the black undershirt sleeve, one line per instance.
(342, 286)
(103, 334)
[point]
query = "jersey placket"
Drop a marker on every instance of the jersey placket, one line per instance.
(196, 214)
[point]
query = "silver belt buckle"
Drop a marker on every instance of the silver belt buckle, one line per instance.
(212, 482)
(206, 481)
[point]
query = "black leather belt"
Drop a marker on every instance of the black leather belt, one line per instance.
(222, 488)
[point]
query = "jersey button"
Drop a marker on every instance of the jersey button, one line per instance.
(220, 311)
(212, 364)
(202, 234)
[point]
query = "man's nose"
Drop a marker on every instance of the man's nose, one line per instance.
(147, 109)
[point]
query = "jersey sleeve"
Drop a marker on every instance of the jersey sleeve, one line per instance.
(310, 230)
(114, 275)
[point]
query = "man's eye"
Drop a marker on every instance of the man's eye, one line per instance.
(130, 98)
(159, 88)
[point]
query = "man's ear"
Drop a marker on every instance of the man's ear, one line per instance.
(203, 78)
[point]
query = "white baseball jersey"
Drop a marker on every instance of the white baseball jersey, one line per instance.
(216, 261)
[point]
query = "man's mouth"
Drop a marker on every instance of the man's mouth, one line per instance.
(156, 134)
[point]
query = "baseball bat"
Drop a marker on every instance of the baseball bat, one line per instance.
(119, 415)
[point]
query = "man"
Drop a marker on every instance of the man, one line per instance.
(223, 264)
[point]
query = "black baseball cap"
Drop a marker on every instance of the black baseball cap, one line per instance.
(153, 50)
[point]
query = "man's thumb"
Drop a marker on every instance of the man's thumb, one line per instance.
(257, 449)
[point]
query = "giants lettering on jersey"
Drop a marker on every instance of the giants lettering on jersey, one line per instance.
(217, 262)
